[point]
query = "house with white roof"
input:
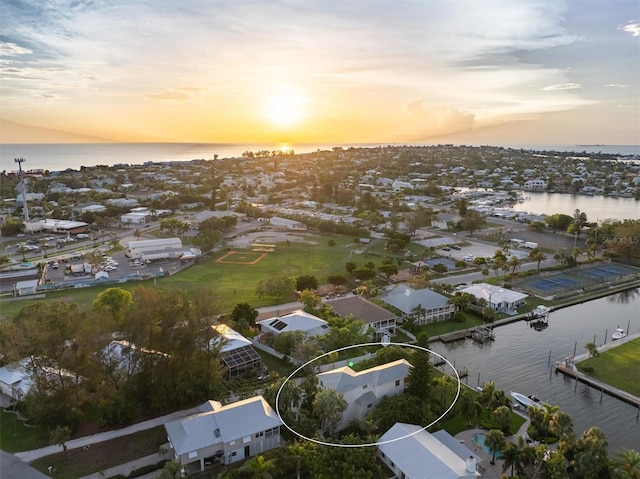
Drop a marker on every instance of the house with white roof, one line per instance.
(423, 305)
(237, 352)
(15, 381)
(298, 320)
(496, 297)
(224, 434)
(413, 453)
(26, 287)
(445, 221)
(285, 224)
(363, 390)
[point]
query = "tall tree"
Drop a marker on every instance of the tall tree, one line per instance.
(115, 300)
(328, 406)
(591, 459)
(626, 464)
(495, 441)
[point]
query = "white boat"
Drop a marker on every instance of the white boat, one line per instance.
(619, 334)
(527, 401)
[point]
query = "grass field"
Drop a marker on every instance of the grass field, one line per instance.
(15, 436)
(617, 366)
(233, 283)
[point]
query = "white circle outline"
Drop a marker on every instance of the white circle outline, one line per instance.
(379, 443)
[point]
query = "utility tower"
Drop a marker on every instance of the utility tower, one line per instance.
(25, 209)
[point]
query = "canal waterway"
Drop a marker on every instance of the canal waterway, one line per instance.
(518, 360)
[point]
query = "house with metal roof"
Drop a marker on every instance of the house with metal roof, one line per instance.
(423, 305)
(237, 352)
(224, 434)
(413, 453)
(298, 320)
(364, 389)
(380, 320)
(444, 221)
(15, 380)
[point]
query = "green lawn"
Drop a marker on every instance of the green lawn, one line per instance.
(236, 283)
(15, 436)
(444, 327)
(233, 283)
(617, 366)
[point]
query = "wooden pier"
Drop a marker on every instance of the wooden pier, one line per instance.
(482, 334)
(567, 368)
(455, 336)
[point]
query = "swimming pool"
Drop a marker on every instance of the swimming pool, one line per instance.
(478, 440)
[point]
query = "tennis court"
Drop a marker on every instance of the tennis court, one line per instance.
(579, 278)
(555, 284)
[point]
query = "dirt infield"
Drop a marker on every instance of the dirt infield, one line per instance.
(243, 257)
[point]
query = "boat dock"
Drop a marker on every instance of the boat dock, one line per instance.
(568, 368)
(481, 334)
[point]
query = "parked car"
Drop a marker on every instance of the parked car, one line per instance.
(456, 247)
(468, 257)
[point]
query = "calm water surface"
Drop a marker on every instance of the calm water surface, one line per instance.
(598, 208)
(518, 360)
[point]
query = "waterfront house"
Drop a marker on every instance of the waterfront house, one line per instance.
(224, 434)
(422, 305)
(413, 453)
(496, 297)
(378, 320)
(363, 390)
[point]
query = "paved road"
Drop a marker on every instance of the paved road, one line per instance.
(28, 456)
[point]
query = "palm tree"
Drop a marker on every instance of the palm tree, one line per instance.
(469, 405)
(627, 463)
(137, 233)
(548, 412)
(592, 349)
(488, 391)
(419, 312)
(538, 256)
(259, 467)
(495, 441)
(498, 399)
(502, 416)
(561, 424)
(514, 263)
(511, 454)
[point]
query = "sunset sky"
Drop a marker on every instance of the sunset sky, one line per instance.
(334, 71)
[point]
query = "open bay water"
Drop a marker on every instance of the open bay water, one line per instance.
(60, 156)
(518, 360)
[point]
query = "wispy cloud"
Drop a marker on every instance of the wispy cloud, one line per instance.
(632, 28)
(615, 85)
(562, 86)
(468, 62)
(11, 49)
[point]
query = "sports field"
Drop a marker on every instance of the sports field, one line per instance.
(233, 274)
(617, 366)
(577, 278)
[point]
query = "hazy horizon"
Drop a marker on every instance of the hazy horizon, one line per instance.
(460, 71)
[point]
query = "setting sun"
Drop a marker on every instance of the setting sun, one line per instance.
(285, 109)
